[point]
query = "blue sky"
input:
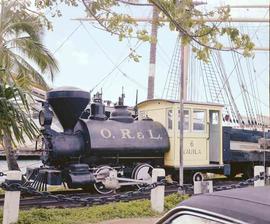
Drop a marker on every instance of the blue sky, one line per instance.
(88, 56)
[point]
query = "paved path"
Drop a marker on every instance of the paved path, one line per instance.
(131, 221)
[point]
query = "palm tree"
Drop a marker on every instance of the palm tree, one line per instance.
(23, 60)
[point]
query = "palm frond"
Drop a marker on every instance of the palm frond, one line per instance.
(37, 53)
(26, 70)
(22, 28)
(14, 118)
(23, 61)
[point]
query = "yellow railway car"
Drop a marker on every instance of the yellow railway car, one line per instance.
(202, 133)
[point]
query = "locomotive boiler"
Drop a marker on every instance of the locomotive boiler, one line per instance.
(96, 150)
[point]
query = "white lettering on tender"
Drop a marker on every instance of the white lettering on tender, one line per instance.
(152, 136)
(126, 134)
(105, 133)
(140, 135)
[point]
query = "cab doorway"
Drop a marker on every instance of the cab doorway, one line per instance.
(214, 136)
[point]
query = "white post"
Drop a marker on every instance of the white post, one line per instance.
(267, 172)
(202, 187)
(197, 183)
(157, 194)
(207, 186)
(197, 187)
(12, 199)
(257, 171)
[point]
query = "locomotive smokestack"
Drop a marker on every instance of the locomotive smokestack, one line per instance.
(68, 104)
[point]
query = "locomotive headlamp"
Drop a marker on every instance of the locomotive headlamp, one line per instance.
(45, 117)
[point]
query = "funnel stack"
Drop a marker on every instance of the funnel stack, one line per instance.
(68, 104)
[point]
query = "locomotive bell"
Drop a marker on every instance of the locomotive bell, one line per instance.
(68, 104)
(98, 108)
(121, 112)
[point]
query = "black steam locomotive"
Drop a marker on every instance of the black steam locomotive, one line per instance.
(99, 151)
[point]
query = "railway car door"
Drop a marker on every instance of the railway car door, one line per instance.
(214, 136)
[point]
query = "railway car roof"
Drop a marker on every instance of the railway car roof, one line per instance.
(249, 205)
(185, 102)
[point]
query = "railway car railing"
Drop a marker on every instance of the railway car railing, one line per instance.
(13, 187)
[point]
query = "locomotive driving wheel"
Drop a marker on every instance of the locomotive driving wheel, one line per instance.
(99, 186)
(143, 172)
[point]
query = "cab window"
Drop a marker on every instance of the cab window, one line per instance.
(186, 120)
(169, 119)
(198, 120)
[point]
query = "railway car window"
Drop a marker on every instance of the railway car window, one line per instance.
(169, 119)
(186, 120)
(198, 120)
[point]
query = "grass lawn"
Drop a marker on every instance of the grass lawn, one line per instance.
(86, 215)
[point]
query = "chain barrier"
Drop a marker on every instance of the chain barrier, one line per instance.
(242, 184)
(2, 174)
(87, 200)
(189, 188)
(17, 186)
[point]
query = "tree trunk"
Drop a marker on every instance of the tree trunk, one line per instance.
(10, 153)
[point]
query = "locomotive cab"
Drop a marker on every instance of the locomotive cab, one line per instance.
(202, 133)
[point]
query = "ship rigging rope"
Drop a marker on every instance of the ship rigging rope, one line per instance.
(254, 86)
(259, 100)
(258, 94)
(242, 86)
(222, 75)
(204, 82)
(166, 55)
(245, 98)
(116, 66)
(138, 44)
(257, 89)
(66, 39)
(210, 80)
(245, 93)
(173, 69)
(257, 97)
(254, 114)
(254, 34)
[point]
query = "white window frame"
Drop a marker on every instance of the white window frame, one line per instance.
(204, 120)
(189, 120)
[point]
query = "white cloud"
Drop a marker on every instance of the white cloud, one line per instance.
(77, 56)
(81, 57)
